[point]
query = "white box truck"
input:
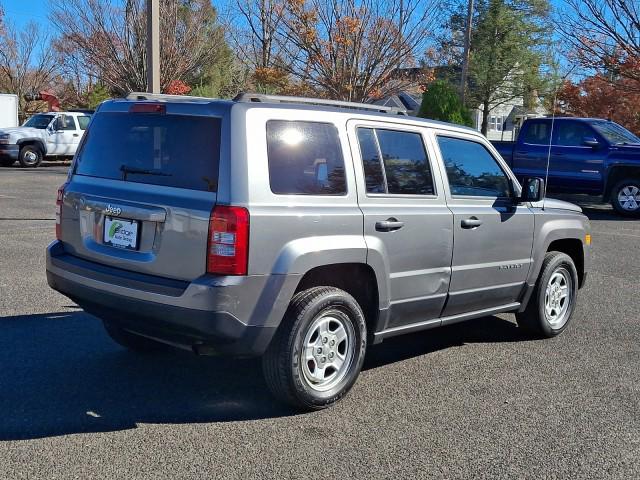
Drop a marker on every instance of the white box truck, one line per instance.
(8, 110)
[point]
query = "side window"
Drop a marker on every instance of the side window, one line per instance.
(374, 178)
(571, 134)
(305, 158)
(472, 170)
(65, 122)
(537, 133)
(83, 121)
(402, 155)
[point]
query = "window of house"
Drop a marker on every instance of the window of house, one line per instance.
(472, 170)
(395, 162)
(495, 123)
(305, 158)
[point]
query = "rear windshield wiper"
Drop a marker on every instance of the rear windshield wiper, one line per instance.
(141, 171)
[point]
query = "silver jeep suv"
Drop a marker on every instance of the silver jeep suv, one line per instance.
(303, 230)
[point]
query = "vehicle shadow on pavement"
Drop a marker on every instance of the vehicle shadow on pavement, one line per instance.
(480, 330)
(594, 208)
(61, 374)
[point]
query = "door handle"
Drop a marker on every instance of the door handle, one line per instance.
(76, 135)
(472, 222)
(389, 225)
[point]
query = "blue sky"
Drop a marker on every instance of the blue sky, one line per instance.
(21, 11)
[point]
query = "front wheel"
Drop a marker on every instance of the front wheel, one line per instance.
(316, 356)
(30, 156)
(625, 197)
(554, 298)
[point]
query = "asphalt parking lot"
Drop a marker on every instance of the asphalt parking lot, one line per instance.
(473, 400)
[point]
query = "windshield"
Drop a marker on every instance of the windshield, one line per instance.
(615, 133)
(172, 150)
(40, 121)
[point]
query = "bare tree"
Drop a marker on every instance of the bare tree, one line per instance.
(352, 49)
(27, 63)
(603, 35)
(255, 35)
(110, 39)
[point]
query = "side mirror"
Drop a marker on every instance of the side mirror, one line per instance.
(590, 142)
(532, 190)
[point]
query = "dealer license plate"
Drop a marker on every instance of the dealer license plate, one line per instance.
(121, 233)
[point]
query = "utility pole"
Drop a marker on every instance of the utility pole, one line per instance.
(153, 46)
(467, 47)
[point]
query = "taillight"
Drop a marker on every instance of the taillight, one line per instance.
(59, 199)
(148, 108)
(228, 243)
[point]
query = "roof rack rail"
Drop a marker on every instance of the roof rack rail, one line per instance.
(163, 96)
(260, 97)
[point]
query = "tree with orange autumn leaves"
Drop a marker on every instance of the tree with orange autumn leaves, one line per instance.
(600, 96)
(603, 37)
(344, 49)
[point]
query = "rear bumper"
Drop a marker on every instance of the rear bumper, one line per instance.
(235, 316)
(9, 151)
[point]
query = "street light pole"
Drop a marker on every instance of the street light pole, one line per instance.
(467, 47)
(153, 46)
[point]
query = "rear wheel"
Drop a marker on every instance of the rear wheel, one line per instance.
(130, 340)
(553, 301)
(625, 197)
(316, 356)
(30, 156)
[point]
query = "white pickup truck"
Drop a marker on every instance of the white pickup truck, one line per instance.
(53, 134)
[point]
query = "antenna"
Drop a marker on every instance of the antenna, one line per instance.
(553, 121)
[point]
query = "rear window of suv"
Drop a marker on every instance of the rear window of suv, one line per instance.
(305, 158)
(171, 150)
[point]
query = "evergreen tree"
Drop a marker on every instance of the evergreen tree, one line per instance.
(441, 102)
(509, 47)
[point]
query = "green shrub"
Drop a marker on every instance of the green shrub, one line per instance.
(441, 102)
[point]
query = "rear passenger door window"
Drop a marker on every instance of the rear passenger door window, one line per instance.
(395, 162)
(305, 158)
(472, 170)
(537, 133)
(83, 121)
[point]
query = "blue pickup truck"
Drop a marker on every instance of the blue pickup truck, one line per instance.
(587, 155)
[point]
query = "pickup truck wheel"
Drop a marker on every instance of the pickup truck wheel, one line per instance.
(553, 300)
(30, 156)
(625, 197)
(131, 341)
(317, 353)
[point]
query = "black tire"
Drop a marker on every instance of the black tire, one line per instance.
(6, 162)
(618, 191)
(30, 156)
(535, 318)
(283, 367)
(130, 340)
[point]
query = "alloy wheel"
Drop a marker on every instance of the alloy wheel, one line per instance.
(629, 198)
(328, 350)
(557, 299)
